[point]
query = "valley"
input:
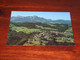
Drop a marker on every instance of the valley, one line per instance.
(40, 34)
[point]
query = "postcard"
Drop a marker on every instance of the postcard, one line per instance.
(34, 28)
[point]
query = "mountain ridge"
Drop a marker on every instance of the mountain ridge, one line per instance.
(21, 19)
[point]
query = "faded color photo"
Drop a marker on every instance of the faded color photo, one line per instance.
(32, 28)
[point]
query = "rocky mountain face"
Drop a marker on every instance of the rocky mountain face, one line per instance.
(21, 19)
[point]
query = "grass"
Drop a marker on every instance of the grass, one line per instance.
(65, 39)
(45, 42)
(59, 41)
(68, 34)
(68, 41)
(52, 25)
(28, 44)
(69, 29)
(24, 29)
(46, 28)
(32, 42)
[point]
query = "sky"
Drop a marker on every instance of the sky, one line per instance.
(47, 15)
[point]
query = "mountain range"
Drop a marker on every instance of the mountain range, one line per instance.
(21, 19)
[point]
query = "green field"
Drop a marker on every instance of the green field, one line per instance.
(40, 34)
